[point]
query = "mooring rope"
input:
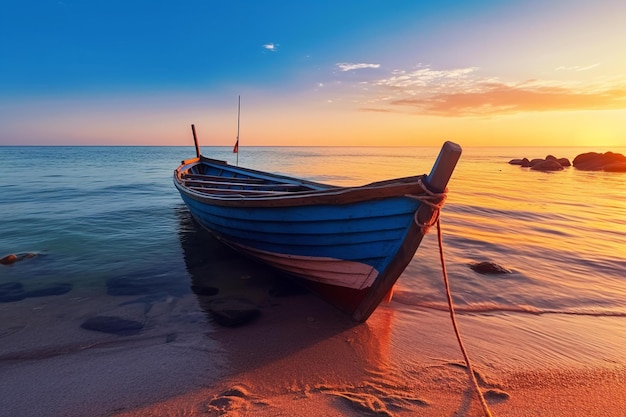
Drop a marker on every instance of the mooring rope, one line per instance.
(431, 199)
(468, 363)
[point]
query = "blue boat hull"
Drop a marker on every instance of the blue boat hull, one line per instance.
(347, 245)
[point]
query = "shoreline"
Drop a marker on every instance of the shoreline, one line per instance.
(301, 357)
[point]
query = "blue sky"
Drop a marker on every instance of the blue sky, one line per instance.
(409, 72)
(73, 46)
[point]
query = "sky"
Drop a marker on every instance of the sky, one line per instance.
(348, 73)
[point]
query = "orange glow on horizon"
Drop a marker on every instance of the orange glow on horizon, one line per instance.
(303, 121)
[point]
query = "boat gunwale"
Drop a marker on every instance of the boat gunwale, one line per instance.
(348, 195)
(321, 194)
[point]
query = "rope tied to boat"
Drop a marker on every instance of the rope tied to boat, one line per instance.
(457, 332)
(431, 199)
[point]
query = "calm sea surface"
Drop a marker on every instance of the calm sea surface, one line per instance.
(93, 215)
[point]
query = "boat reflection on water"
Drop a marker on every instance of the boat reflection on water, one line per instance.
(231, 288)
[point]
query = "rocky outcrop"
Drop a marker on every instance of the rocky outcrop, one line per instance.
(593, 161)
(549, 163)
(589, 161)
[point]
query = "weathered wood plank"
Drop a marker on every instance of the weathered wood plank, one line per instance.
(236, 183)
(229, 191)
(224, 179)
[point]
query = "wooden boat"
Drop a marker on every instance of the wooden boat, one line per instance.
(348, 244)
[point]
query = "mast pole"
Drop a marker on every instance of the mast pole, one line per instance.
(238, 119)
(195, 140)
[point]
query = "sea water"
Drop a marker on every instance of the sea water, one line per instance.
(89, 217)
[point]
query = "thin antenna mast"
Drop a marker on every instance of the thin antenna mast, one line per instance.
(238, 118)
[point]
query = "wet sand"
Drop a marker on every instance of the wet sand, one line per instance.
(301, 357)
(298, 356)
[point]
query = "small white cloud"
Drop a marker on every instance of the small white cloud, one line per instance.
(271, 47)
(345, 66)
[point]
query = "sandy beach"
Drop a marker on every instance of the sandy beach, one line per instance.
(341, 370)
(301, 357)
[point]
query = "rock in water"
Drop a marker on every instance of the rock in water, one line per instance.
(488, 268)
(204, 290)
(11, 291)
(548, 165)
(147, 282)
(56, 289)
(593, 161)
(564, 162)
(9, 259)
(615, 167)
(522, 162)
(12, 258)
(550, 159)
(232, 312)
(113, 325)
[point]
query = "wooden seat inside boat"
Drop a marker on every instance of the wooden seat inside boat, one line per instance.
(192, 176)
(215, 184)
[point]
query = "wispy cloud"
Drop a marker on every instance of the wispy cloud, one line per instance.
(464, 92)
(345, 66)
(426, 78)
(270, 47)
(577, 68)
